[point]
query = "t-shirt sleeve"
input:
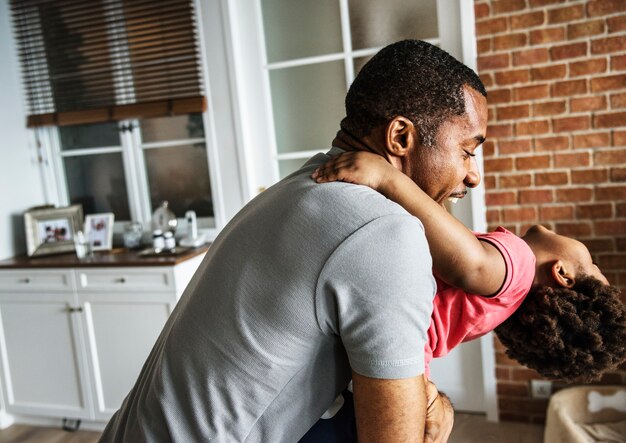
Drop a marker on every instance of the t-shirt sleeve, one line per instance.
(376, 291)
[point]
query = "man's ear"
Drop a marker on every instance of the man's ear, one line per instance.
(562, 275)
(400, 137)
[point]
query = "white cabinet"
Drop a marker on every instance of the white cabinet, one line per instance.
(73, 340)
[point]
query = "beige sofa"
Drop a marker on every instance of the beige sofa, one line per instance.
(586, 414)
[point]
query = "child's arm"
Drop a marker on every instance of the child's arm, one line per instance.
(459, 258)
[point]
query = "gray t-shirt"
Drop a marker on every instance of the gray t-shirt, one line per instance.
(307, 281)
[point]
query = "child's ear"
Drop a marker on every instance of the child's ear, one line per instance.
(562, 275)
(400, 136)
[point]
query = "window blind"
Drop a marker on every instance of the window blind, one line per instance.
(103, 60)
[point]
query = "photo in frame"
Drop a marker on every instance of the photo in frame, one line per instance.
(99, 231)
(51, 230)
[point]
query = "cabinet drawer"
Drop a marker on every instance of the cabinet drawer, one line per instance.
(39, 281)
(122, 279)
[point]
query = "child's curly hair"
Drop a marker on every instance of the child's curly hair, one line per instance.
(572, 334)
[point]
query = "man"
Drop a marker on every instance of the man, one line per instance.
(311, 285)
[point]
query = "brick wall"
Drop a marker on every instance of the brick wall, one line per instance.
(555, 72)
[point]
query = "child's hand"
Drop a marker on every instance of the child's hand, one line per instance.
(361, 168)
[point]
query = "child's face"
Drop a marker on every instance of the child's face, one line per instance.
(549, 245)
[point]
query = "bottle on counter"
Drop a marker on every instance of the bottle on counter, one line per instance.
(158, 241)
(169, 241)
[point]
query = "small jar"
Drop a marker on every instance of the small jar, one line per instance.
(169, 240)
(158, 242)
(132, 235)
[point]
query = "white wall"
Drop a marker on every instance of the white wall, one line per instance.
(20, 181)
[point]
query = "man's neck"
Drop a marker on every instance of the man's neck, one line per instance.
(348, 142)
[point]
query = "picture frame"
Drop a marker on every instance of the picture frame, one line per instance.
(51, 230)
(99, 231)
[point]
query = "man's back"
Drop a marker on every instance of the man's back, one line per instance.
(263, 338)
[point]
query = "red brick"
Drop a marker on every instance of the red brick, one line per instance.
(571, 50)
(513, 389)
(490, 182)
(610, 227)
(498, 164)
(598, 244)
(616, 24)
(558, 143)
(530, 92)
(608, 45)
(534, 127)
(522, 373)
(574, 194)
(571, 159)
(500, 198)
(584, 104)
(487, 79)
(566, 14)
(508, 41)
(535, 3)
(611, 193)
(519, 214)
(618, 175)
(510, 77)
(493, 216)
(585, 29)
(618, 62)
(568, 124)
(513, 112)
(609, 120)
(529, 20)
(491, 26)
(515, 181)
(530, 56)
(502, 373)
(550, 178)
(549, 35)
(570, 87)
(618, 100)
(498, 131)
(514, 146)
(549, 108)
(548, 72)
(483, 45)
(601, 84)
(535, 196)
(489, 148)
(619, 138)
(574, 229)
(532, 162)
(612, 261)
(592, 140)
(497, 96)
(501, 6)
(610, 157)
(556, 212)
(481, 10)
(604, 7)
(587, 67)
(497, 61)
(589, 176)
(491, 114)
(594, 210)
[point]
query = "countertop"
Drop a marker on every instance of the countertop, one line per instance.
(119, 257)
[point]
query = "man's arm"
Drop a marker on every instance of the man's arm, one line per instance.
(389, 410)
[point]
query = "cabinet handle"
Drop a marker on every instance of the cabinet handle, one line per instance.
(26, 280)
(121, 280)
(72, 310)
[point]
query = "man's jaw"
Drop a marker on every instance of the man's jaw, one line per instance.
(455, 196)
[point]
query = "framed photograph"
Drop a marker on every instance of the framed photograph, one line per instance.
(99, 231)
(51, 230)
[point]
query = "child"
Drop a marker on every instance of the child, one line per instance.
(549, 304)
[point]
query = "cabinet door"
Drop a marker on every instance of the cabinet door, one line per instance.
(43, 355)
(121, 329)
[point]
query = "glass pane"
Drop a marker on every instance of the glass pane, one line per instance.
(179, 127)
(376, 23)
(95, 135)
(286, 167)
(308, 103)
(180, 175)
(98, 183)
(301, 28)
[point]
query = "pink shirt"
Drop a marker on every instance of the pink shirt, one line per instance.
(459, 316)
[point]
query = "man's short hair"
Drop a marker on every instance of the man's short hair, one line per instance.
(572, 334)
(413, 79)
